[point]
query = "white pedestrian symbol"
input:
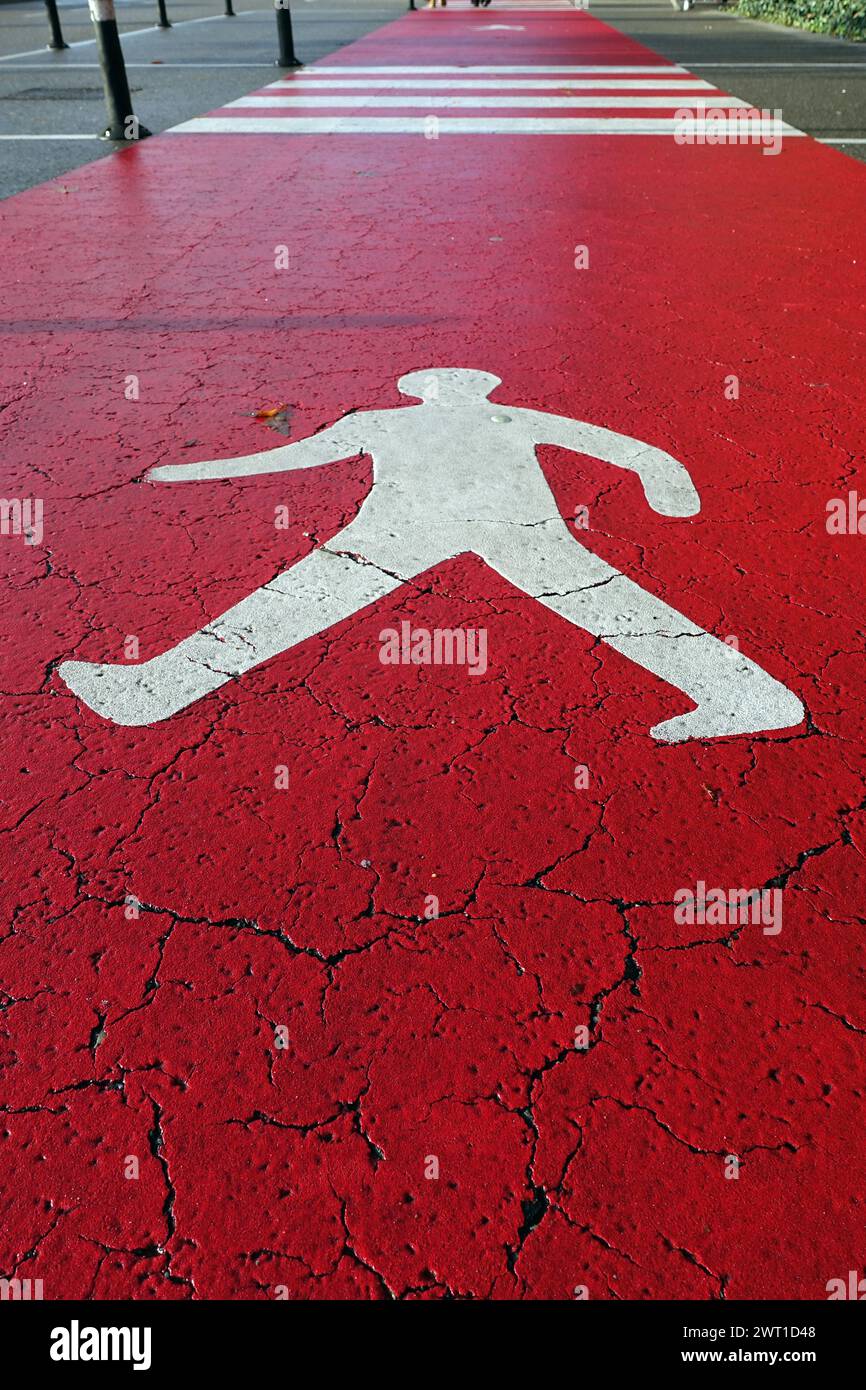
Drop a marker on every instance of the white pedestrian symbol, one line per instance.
(455, 474)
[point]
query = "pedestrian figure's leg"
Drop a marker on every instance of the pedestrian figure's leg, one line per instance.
(733, 695)
(320, 590)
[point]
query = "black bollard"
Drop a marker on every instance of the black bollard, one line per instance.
(163, 22)
(122, 123)
(285, 37)
(57, 40)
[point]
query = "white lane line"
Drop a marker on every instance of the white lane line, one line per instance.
(67, 67)
(831, 140)
(483, 125)
(663, 69)
(530, 103)
(130, 34)
(91, 136)
(859, 66)
(644, 84)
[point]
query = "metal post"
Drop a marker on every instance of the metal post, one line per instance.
(57, 40)
(163, 21)
(230, 14)
(412, 5)
(122, 123)
(287, 58)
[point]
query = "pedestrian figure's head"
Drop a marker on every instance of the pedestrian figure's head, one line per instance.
(448, 385)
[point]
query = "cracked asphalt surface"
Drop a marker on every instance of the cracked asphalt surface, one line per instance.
(233, 1037)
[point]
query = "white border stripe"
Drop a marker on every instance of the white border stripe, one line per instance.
(462, 125)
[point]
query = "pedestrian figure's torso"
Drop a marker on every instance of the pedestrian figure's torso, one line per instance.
(438, 464)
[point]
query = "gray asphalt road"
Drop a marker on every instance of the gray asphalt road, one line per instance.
(203, 61)
(51, 105)
(818, 83)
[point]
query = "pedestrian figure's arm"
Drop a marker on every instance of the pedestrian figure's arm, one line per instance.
(338, 442)
(666, 483)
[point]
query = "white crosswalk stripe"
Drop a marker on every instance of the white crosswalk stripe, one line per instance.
(435, 84)
(436, 102)
(456, 125)
(670, 93)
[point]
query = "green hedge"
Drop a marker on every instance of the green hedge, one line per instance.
(846, 18)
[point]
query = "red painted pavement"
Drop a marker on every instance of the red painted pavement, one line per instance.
(150, 1033)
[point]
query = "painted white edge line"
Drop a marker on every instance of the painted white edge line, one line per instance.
(61, 66)
(91, 136)
(130, 34)
(783, 65)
